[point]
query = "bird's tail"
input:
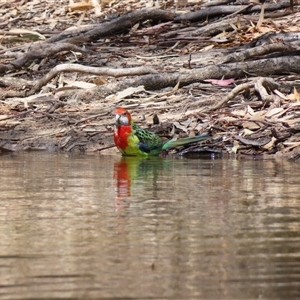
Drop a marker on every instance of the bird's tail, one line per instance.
(185, 141)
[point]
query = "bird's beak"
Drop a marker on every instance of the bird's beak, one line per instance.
(117, 120)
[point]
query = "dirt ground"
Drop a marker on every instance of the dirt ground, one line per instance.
(224, 67)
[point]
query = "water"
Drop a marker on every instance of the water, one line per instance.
(107, 227)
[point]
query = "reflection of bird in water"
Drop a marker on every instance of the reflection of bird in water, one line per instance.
(122, 175)
(133, 140)
(132, 168)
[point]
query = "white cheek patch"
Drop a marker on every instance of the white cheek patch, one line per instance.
(124, 120)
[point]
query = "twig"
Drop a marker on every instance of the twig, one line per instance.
(104, 148)
(91, 117)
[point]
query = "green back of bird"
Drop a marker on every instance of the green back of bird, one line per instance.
(149, 141)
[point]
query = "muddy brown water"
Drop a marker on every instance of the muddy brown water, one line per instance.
(112, 228)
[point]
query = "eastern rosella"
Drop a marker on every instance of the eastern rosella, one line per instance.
(133, 140)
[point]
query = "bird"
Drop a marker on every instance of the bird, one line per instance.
(132, 140)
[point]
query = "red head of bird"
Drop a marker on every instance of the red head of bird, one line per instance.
(123, 117)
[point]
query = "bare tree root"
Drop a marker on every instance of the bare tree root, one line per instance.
(82, 69)
(150, 82)
(261, 85)
(238, 89)
(89, 70)
(261, 67)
